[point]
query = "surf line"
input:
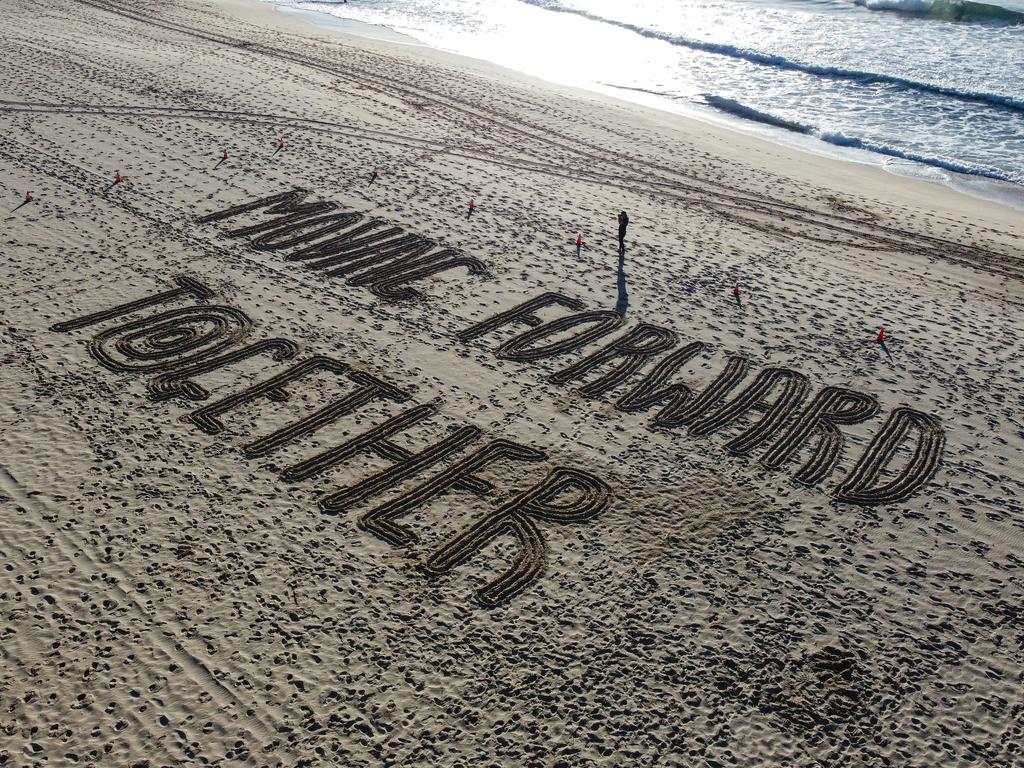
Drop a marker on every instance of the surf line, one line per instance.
(790, 424)
(174, 344)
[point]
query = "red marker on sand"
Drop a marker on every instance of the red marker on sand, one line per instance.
(117, 180)
(280, 146)
(579, 243)
(736, 291)
(374, 175)
(880, 338)
(472, 207)
(28, 199)
(225, 155)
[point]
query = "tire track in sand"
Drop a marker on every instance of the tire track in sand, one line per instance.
(740, 201)
(746, 211)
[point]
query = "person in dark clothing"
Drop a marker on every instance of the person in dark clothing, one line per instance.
(623, 223)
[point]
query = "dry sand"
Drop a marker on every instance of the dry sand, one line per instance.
(174, 596)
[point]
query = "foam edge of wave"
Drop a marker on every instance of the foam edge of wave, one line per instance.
(742, 111)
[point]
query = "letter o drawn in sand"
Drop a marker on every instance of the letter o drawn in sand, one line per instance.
(170, 339)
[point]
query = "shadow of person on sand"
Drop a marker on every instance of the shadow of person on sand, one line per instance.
(623, 301)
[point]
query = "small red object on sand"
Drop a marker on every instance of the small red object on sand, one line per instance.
(28, 197)
(117, 177)
(280, 144)
(881, 335)
(736, 289)
(225, 157)
(472, 205)
(579, 240)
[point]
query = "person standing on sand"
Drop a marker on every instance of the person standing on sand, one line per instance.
(623, 223)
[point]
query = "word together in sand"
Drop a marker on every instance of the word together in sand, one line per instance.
(175, 344)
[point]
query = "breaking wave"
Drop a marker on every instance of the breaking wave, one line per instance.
(782, 63)
(737, 109)
(947, 10)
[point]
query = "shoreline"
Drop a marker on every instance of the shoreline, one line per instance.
(1005, 193)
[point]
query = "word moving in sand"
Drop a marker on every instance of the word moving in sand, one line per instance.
(366, 252)
(177, 344)
(789, 425)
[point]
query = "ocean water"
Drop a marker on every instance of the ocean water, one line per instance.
(933, 88)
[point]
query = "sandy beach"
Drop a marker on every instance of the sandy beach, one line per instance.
(322, 444)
